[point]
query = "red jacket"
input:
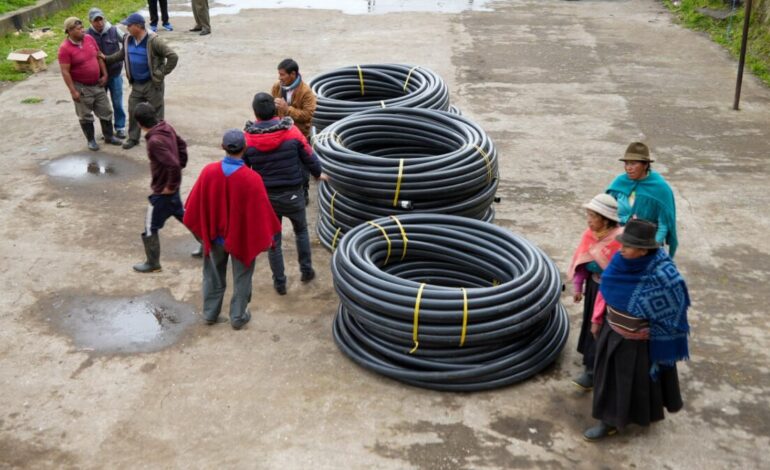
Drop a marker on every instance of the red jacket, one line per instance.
(233, 207)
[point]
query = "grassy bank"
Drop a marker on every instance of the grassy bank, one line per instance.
(114, 10)
(728, 32)
(10, 5)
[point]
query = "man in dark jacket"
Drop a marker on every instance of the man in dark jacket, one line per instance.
(147, 61)
(109, 38)
(278, 151)
(168, 155)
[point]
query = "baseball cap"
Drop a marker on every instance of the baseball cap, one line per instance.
(95, 13)
(233, 141)
(133, 18)
(70, 23)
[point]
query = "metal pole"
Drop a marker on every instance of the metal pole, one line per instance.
(742, 59)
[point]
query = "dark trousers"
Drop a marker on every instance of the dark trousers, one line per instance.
(154, 11)
(215, 283)
(161, 208)
(290, 204)
(147, 92)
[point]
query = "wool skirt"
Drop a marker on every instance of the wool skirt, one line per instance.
(624, 392)
(586, 343)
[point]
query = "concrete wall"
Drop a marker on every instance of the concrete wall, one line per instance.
(16, 20)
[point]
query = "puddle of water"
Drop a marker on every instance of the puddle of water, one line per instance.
(88, 167)
(101, 324)
(350, 7)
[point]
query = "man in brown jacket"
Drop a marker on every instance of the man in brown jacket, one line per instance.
(294, 98)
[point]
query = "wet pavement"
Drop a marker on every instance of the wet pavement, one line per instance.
(349, 7)
(89, 168)
(118, 325)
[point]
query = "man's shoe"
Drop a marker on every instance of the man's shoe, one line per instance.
(92, 145)
(168, 27)
(280, 288)
(196, 29)
(209, 321)
(154, 28)
(308, 276)
(120, 133)
(204, 33)
(598, 432)
(113, 141)
(198, 253)
(245, 319)
(129, 144)
(585, 382)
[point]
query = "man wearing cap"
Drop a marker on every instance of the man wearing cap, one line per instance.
(109, 39)
(643, 194)
(85, 74)
(228, 209)
(147, 61)
(278, 151)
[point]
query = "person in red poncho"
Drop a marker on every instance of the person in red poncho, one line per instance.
(229, 211)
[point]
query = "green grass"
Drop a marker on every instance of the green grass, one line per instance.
(32, 100)
(728, 32)
(114, 10)
(10, 5)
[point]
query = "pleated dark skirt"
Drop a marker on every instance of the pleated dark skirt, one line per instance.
(624, 392)
(586, 343)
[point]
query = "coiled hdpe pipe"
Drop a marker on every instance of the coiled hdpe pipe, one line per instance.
(447, 303)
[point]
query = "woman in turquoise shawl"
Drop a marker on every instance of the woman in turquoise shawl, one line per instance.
(643, 194)
(644, 334)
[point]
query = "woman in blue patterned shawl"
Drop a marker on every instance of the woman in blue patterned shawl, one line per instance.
(643, 336)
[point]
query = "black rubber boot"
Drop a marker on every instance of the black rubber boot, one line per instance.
(585, 381)
(152, 251)
(109, 137)
(88, 131)
(598, 432)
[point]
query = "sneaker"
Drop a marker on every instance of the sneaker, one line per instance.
(120, 133)
(130, 144)
(92, 145)
(280, 288)
(198, 253)
(168, 27)
(154, 28)
(598, 432)
(585, 382)
(195, 29)
(308, 276)
(240, 324)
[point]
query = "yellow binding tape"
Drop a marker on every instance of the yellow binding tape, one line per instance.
(336, 236)
(398, 181)
(403, 236)
(486, 159)
(409, 75)
(465, 317)
(331, 210)
(361, 78)
(384, 234)
(416, 318)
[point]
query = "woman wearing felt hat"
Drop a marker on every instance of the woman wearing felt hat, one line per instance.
(644, 334)
(643, 194)
(593, 254)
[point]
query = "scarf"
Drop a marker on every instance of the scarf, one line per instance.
(651, 288)
(654, 200)
(595, 249)
(293, 85)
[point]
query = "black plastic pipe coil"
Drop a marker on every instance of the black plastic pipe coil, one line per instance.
(403, 282)
(348, 90)
(396, 161)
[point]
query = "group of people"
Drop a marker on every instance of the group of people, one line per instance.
(634, 327)
(236, 205)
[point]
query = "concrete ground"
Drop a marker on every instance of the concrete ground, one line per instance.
(561, 87)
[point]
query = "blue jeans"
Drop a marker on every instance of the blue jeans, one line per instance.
(115, 87)
(290, 204)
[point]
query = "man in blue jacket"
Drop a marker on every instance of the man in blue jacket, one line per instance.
(278, 151)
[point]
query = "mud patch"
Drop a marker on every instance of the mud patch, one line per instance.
(118, 325)
(534, 430)
(89, 168)
(15, 453)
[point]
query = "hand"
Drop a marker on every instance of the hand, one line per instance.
(102, 80)
(595, 329)
(75, 96)
(101, 55)
(323, 177)
(167, 191)
(577, 297)
(281, 105)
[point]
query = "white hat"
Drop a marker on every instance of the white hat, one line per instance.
(605, 205)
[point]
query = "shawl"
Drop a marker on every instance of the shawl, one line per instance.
(654, 202)
(234, 207)
(293, 84)
(651, 288)
(594, 249)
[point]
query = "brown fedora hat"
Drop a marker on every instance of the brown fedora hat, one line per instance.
(639, 234)
(637, 152)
